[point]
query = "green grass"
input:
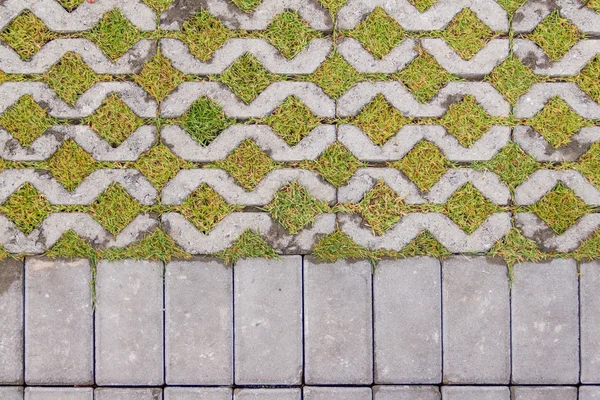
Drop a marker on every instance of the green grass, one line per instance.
(205, 208)
(468, 208)
(292, 120)
(516, 248)
(26, 120)
(557, 122)
(204, 120)
(589, 79)
(70, 165)
(115, 209)
(26, 207)
(247, 5)
(512, 79)
(589, 164)
(289, 34)
(336, 164)
(26, 34)
(555, 35)
(335, 76)
(204, 34)
(594, 5)
(70, 77)
(159, 77)
(70, 5)
(511, 5)
(380, 120)
(158, 5)
(467, 34)
(378, 33)
(113, 120)
(160, 165)
(248, 245)
(114, 34)
(424, 165)
(422, 5)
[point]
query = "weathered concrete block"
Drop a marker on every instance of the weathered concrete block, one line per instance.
(476, 321)
(199, 322)
(590, 322)
(406, 393)
(129, 323)
(337, 393)
(58, 393)
(543, 393)
(192, 393)
(58, 322)
(338, 322)
(128, 394)
(11, 323)
(11, 393)
(407, 321)
(589, 392)
(267, 394)
(268, 321)
(545, 323)
(475, 393)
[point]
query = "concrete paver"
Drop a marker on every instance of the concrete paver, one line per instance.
(590, 322)
(11, 322)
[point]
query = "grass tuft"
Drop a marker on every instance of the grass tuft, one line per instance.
(336, 164)
(589, 164)
(379, 33)
(516, 248)
(26, 120)
(424, 245)
(589, 79)
(380, 120)
(71, 245)
(289, 34)
(467, 121)
(424, 165)
(205, 208)
(70, 77)
(154, 246)
(114, 34)
(467, 34)
(204, 34)
(337, 246)
(158, 5)
(511, 5)
(204, 121)
(26, 207)
(422, 5)
(248, 245)
(26, 34)
(512, 79)
(555, 35)
(247, 5)
(335, 76)
(292, 120)
(113, 120)
(333, 5)
(115, 208)
(70, 165)
(160, 165)
(70, 5)
(557, 122)
(468, 208)
(159, 77)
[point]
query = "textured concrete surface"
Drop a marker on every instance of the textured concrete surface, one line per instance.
(11, 322)
(590, 322)
(406, 393)
(475, 393)
(267, 394)
(544, 393)
(190, 393)
(128, 394)
(47, 393)
(337, 393)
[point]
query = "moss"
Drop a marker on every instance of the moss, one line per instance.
(468, 208)
(115, 208)
(557, 122)
(337, 246)
(205, 208)
(466, 34)
(467, 121)
(114, 34)
(292, 120)
(589, 79)
(159, 77)
(512, 79)
(70, 165)
(248, 245)
(26, 34)
(378, 33)
(26, 208)
(336, 164)
(335, 76)
(70, 77)
(555, 35)
(204, 33)
(113, 120)
(205, 120)
(380, 120)
(289, 33)
(26, 120)
(424, 165)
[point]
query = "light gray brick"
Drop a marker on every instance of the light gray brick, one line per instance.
(476, 320)
(337, 393)
(589, 393)
(544, 393)
(58, 393)
(199, 322)
(406, 393)
(268, 321)
(11, 393)
(192, 393)
(590, 322)
(129, 323)
(267, 394)
(338, 322)
(11, 322)
(545, 326)
(475, 393)
(407, 321)
(128, 394)
(58, 322)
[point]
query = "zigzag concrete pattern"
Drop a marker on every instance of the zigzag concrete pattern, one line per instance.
(303, 160)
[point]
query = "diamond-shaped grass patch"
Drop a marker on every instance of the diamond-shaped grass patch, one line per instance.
(247, 164)
(336, 164)
(467, 34)
(467, 121)
(247, 5)
(335, 76)
(555, 35)
(115, 208)
(378, 33)
(289, 33)
(70, 77)
(424, 77)
(114, 121)
(26, 34)
(160, 165)
(381, 208)
(512, 78)
(557, 122)
(26, 120)
(511, 164)
(589, 79)
(292, 120)
(27, 208)
(159, 77)
(114, 34)
(468, 208)
(204, 120)
(248, 245)
(589, 164)
(205, 208)
(424, 165)
(560, 208)
(422, 5)
(294, 207)
(70, 5)
(380, 120)
(204, 34)
(247, 78)
(70, 165)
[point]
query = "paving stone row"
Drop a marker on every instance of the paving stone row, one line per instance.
(295, 321)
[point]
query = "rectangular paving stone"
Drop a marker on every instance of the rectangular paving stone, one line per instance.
(11, 322)
(338, 322)
(194, 393)
(544, 393)
(11, 393)
(406, 393)
(407, 321)
(337, 393)
(267, 394)
(475, 393)
(128, 394)
(476, 304)
(545, 323)
(589, 393)
(268, 321)
(59, 341)
(199, 322)
(58, 393)
(590, 322)
(129, 323)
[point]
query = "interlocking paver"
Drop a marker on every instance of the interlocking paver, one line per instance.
(407, 321)
(199, 322)
(11, 393)
(128, 394)
(11, 322)
(336, 393)
(267, 394)
(475, 393)
(129, 323)
(58, 393)
(190, 393)
(338, 322)
(590, 322)
(476, 320)
(268, 321)
(545, 323)
(589, 392)
(58, 322)
(544, 393)
(406, 393)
